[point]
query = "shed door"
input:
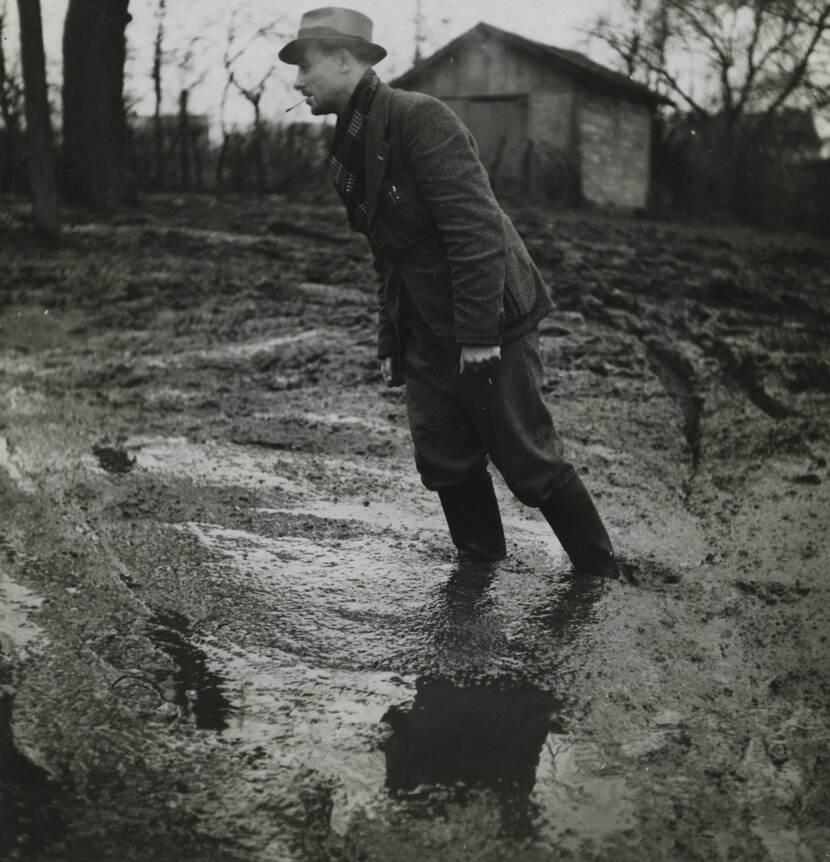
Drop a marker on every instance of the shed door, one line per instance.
(499, 126)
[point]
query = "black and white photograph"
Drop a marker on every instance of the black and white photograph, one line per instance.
(414, 431)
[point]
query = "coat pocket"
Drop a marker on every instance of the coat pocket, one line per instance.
(405, 212)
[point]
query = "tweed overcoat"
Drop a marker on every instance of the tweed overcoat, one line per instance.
(436, 227)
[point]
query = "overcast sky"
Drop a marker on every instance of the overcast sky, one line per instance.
(556, 22)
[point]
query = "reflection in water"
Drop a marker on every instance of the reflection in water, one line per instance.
(571, 609)
(196, 689)
(465, 597)
(459, 737)
(471, 737)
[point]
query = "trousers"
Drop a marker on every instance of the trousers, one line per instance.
(459, 420)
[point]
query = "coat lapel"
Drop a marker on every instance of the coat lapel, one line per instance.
(377, 150)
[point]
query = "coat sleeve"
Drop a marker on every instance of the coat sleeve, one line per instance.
(454, 183)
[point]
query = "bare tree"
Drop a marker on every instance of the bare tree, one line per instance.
(189, 79)
(11, 109)
(222, 157)
(252, 92)
(420, 36)
(759, 54)
(430, 22)
(731, 67)
(94, 121)
(38, 123)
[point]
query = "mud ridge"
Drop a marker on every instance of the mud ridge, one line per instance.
(741, 371)
(773, 593)
(680, 381)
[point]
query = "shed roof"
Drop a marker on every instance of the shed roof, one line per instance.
(571, 62)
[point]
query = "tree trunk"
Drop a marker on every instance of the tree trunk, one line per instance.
(8, 159)
(8, 138)
(11, 125)
(259, 163)
(94, 119)
(219, 181)
(184, 141)
(38, 124)
(158, 133)
(198, 162)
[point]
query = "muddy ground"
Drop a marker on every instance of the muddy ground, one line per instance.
(232, 623)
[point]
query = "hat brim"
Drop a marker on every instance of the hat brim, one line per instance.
(292, 51)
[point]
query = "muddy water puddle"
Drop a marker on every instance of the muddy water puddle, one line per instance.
(414, 688)
(18, 632)
(504, 748)
(257, 467)
(469, 735)
(453, 740)
(414, 691)
(211, 463)
(404, 681)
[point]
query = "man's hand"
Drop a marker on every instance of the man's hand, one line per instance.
(475, 358)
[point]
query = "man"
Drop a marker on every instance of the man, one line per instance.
(459, 299)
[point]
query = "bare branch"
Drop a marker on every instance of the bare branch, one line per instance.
(752, 67)
(754, 52)
(799, 71)
(710, 33)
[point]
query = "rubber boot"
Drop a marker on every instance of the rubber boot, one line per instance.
(571, 513)
(472, 514)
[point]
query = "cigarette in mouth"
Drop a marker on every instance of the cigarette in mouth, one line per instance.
(295, 106)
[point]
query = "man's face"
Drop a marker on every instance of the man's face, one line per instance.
(322, 77)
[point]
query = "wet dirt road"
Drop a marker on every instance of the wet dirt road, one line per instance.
(231, 624)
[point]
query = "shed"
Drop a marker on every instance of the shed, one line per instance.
(544, 117)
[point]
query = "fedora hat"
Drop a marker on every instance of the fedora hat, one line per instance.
(335, 25)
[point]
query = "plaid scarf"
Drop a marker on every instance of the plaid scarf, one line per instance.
(347, 160)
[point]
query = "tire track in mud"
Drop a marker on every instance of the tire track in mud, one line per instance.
(691, 364)
(775, 773)
(741, 370)
(677, 371)
(682, 383)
